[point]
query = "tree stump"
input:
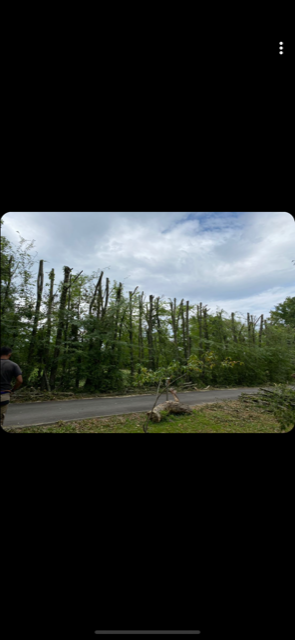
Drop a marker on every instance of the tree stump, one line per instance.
(170, 407)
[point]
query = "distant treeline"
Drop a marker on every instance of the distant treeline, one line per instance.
(89, 331)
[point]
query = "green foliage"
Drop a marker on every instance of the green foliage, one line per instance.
(96, 348)
(284, 313)
(281, 406)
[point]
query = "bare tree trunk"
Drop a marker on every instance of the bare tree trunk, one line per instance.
(249, 328)
(150, 335)
(200, 330)
(119, 291)
(100, 303)
(78, 369)
(158, 333)
(206, 326)
(36, 318)
(183, 330)
(95, 293)
(8, 285)
(62, 305)
(66, 346)
(100, 312)
(240, 337)
(253, 329)
(140, 339)
(131, 335)
(44, 380)
(174, 326)
(106, 298)
(234, 327)
(120, 334)
(187, 330)
(40, 353)
(260, 330)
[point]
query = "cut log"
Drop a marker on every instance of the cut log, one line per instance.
(170, 407)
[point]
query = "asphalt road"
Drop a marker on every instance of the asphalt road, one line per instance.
(30, 414)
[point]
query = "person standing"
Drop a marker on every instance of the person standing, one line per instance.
(9, 370)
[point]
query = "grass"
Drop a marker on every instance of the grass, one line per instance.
(228, 416)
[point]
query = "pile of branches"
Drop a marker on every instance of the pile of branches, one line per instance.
(280, 402)
(30, 393)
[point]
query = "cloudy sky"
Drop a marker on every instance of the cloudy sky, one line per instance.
(235, 261)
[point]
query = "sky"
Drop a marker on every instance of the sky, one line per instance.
(237, 261)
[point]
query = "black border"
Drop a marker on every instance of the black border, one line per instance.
(227, 149)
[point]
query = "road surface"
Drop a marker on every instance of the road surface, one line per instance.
(30, 414)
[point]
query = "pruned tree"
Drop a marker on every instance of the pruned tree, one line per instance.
(234, 328)
(150, 334)
(174, 322)
(45, 380)
(60, 327)
(187, 330)
(131, 332)
(260, 329)
(40, 281)
(140, 336)
(184, 341)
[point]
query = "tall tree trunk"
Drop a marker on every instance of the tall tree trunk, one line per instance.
(187, 330)
(31, 353)
(114, 345)
(184, 342)
(66, 346)
(174, 326)
(240, 336)
(61, 320)
(249, 327)
(131, 336)
(6, 294)
(150, 335)
(159, 332)
(106, 298)
(40, 353)
(200, 331)
(266, 332)
(45, 381)
(97, 294)
(253, 329)
(140, 338)
(101, 311)
(206, 328)
(260, 330)
(120, 334)
(234, 327)
(78, 367)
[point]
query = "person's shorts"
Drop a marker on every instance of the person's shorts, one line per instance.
(5, 400)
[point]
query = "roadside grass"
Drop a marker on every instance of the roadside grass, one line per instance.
(228, 416)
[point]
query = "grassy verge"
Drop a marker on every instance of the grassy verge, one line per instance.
(228, 416)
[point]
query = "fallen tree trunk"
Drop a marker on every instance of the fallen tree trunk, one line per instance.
(171, 407)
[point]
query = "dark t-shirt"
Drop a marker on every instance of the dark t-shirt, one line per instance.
(9, 370)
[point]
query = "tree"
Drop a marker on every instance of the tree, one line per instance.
(284, 313)
(62, 305)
